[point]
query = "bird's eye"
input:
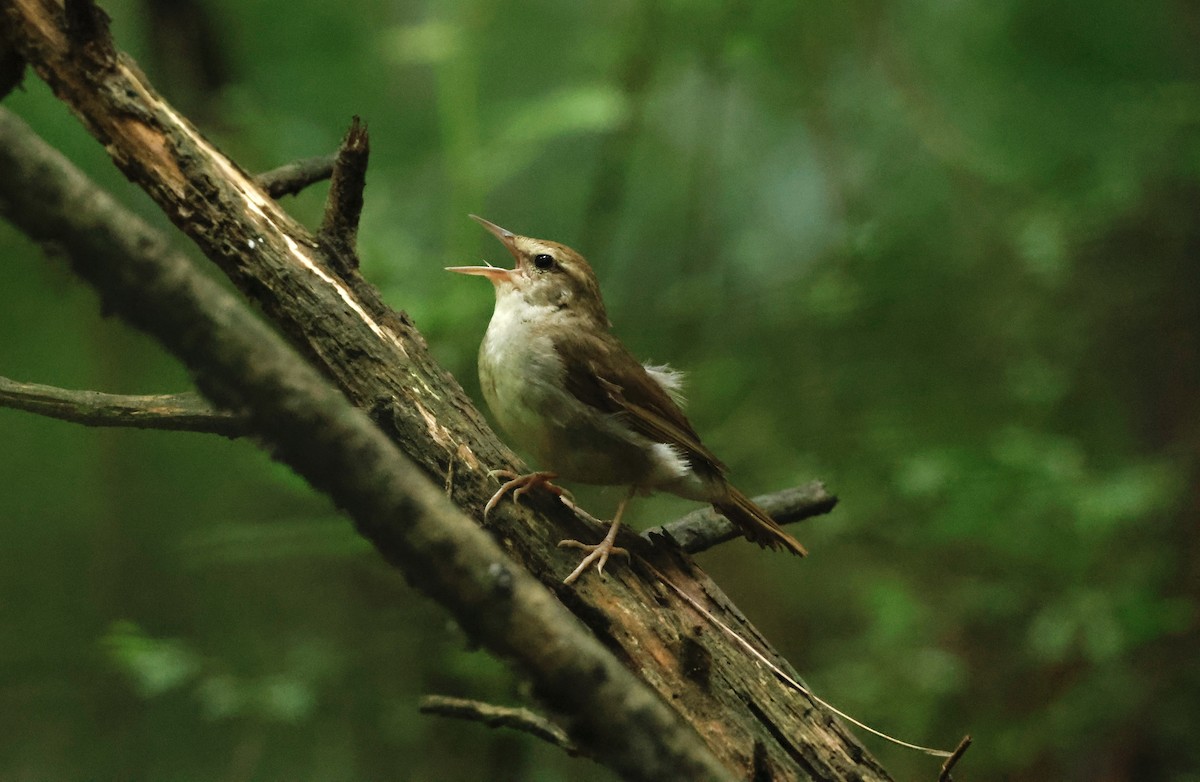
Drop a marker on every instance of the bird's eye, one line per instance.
(542, 262)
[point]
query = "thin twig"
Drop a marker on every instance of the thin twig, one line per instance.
(955, 756)
(293, 177)
(702, 529)
(175, 412)
(499, 717)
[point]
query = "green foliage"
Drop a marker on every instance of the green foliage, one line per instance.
(153, 666)
(158, 666)
(940, 255)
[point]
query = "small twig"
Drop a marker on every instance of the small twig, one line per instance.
(175, 412)
(499, 717)
(293, 177)
(702, 529)
(955, 756)
(343, 205)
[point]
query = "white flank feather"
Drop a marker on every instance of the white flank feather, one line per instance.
(671, 381)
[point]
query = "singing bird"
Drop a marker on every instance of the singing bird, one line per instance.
(567, 391)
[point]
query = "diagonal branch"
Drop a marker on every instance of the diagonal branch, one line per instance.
(309, 425)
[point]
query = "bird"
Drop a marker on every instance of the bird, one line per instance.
(567, 391)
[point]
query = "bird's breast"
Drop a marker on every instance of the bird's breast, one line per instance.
(519, 372)
(523, 380)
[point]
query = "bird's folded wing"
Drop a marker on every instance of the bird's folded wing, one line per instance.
(601, 373)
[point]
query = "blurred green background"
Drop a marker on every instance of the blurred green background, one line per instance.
(941, 255)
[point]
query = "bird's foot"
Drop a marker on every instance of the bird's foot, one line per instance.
(598, 553)
(518, 484)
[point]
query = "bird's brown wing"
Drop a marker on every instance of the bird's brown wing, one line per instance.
(601, 373)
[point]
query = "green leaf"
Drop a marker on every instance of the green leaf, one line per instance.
(155, 666)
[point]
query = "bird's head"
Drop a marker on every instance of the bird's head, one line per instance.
(546, 274)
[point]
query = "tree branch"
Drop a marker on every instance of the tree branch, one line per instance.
(702, 529)
(238, 362)
(291, 178)
(186, 412)
(494, 716)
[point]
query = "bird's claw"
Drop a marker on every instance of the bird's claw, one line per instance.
(598, 553)
(518, 484)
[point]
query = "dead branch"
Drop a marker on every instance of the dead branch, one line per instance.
(495, 716)
(343, 206)
(185, 412)
(378, 360)
(702, 529)
(291, 178)
(310, 426)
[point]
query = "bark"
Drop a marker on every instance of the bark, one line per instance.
(312, 293)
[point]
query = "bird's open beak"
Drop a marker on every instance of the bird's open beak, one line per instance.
(493, 273)
(506, 237)
(496, 275)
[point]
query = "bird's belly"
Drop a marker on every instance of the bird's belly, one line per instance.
(517, 373)
(562, 434)
(607, 460)
(522, 378)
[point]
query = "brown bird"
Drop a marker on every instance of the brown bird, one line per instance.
(567, 390)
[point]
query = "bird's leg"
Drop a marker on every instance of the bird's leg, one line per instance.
(599, 552)
(519, 484)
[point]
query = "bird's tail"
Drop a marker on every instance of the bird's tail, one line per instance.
(755, 524)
